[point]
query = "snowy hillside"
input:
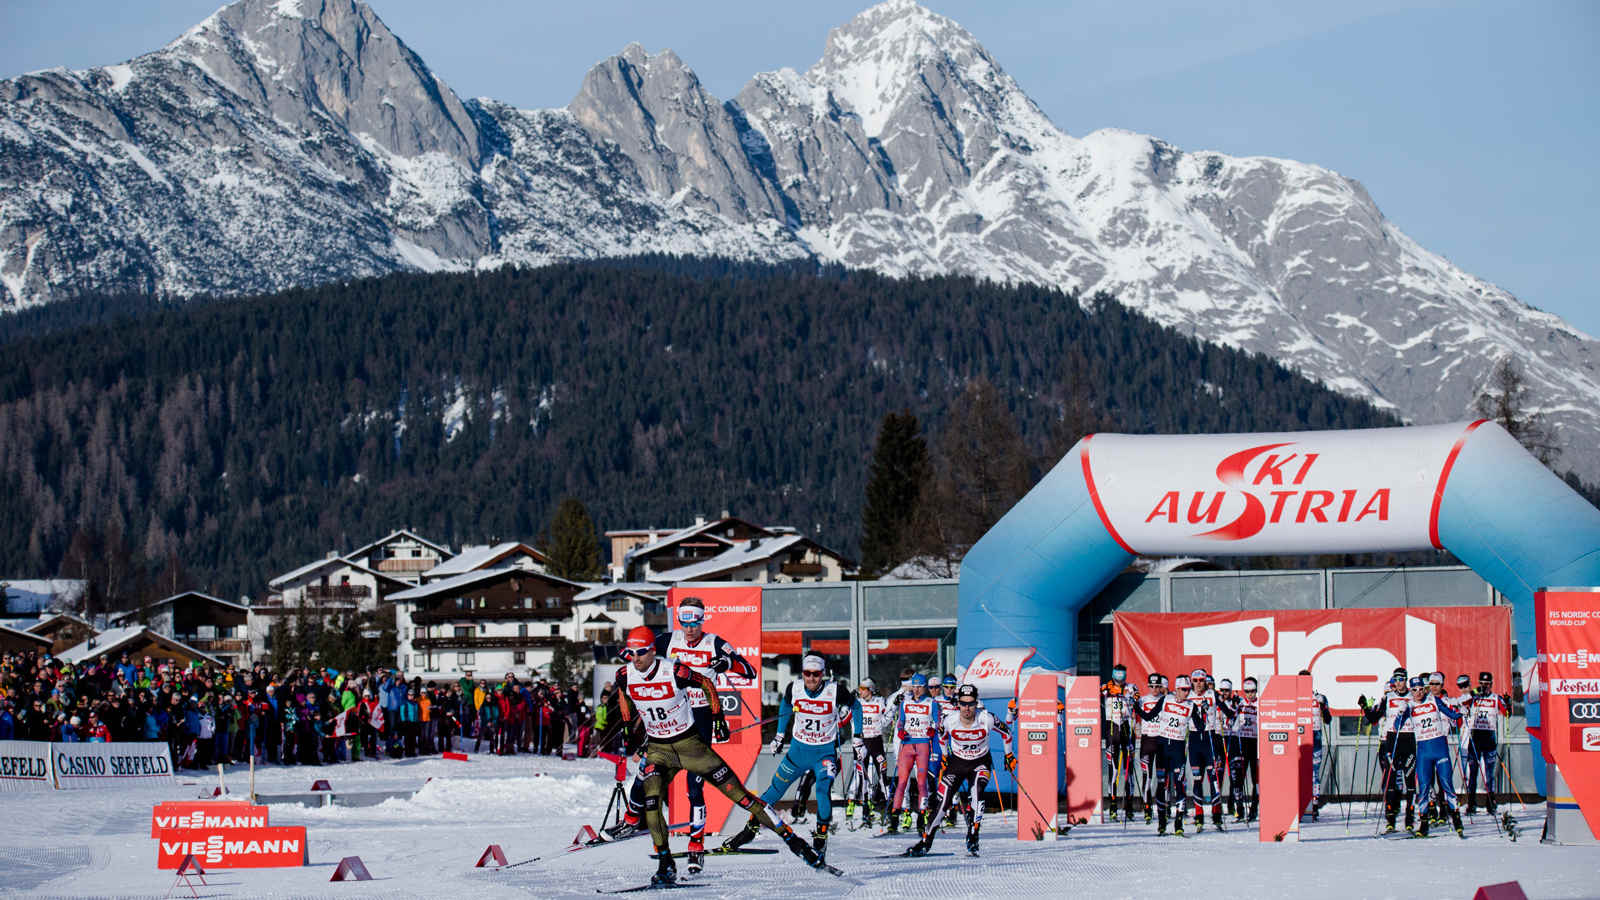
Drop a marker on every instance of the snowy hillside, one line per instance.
(270, 146)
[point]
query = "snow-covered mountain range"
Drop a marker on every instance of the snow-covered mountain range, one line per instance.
(285, 142)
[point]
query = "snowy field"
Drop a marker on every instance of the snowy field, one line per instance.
(96, 843)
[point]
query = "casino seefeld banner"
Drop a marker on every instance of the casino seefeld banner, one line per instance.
(25, 766)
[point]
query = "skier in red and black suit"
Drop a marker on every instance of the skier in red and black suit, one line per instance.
(655, 704)
(1149, 740)
(1175, 717)
(966, 735)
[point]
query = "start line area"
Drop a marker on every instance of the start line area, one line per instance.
(97, 844)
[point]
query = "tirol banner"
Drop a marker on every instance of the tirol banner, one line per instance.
(997, 672)
(1295, 492)
(79, 766)
(1349, 652)
(733, 613)
(25, 766)
(1568, 630)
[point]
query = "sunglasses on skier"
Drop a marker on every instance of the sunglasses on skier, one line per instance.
(968, 703)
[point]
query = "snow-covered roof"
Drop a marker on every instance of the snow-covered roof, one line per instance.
(17, 632)
(740, 554)
(435, 588)
(35, 594)
(644, 590)
(480, 557)
(111, 641)
(684, 534)
(404, 532)
(308, 568)
(133, 614)
(47, 621)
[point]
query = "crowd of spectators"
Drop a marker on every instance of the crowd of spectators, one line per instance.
(211, 714)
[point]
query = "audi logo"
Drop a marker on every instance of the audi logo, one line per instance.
(1277, 736)
(1083, 729)
(1586, 709)
(731, 705)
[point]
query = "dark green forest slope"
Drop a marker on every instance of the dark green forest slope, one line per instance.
(238, 439)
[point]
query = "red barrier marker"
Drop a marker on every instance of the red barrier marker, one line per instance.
(321, 784)
(1505, 890)
(492, 855)
(451, 754)
(351, 868)
(189, 868)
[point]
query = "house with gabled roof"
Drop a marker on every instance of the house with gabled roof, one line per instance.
(485, 622)
(767, 560)
(138, 642)
(402, 554)
(211, 625)
(489, 556)
(64, 630)
(334, 586)
(646, 560)
(15, 640)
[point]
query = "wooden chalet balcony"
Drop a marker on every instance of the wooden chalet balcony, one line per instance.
(217, 645)
(802, 569)
(406, 565)
(487, 643)
(446, 616)
(350, 593)
(664, 563)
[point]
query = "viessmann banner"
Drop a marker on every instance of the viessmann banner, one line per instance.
(1349, 652)
(1294, 492)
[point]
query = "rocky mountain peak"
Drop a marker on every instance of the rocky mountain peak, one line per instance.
(333, 58)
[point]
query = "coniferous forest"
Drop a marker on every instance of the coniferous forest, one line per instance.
(234, 439)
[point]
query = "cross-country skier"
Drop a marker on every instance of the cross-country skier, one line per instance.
(1117, 700)
(1396, 747)
(813, 708)
(1149, 741)
(965, 732)
(945, 696)
(1204, 755)
(654, 693)
(1481, 739)
(1430, 719)
(1323, 717)
(1239, 734)
(916, 724)
(866, 787)
(1175, 717)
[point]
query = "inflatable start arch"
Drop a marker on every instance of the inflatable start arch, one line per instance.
(1468, 488)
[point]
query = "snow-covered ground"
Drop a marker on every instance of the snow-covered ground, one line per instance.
(96, 843)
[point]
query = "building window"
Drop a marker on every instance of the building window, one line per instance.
(555, 630)
(483, 603)
(461, 603)
(519, 658)
(463, 631)
(429, 664)
(466, 659)
(522, 630)
(617, 604)
(552, 602)
(407, 663)
(527, 603)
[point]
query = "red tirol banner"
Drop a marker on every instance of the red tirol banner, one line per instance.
(733, 613)
(179, 815)
(234, 848)
(1568, 623)
(1349, 652)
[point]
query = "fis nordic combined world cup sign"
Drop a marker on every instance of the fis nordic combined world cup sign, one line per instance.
(1293, 492)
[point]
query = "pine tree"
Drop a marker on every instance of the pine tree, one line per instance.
(899, 470)
(1505, 400)
(573, 549)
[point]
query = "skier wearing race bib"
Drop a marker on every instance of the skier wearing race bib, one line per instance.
(916, 724)
(1397, 747)
(1430, 719)
(1204, 755)
(1174, 717)
(654, 701)
(966, 732)
(1117, 700)
(1321, 718)
(1239, 732)
(867, 778)
(813, 709)
(1481, 739)
(1149, 741)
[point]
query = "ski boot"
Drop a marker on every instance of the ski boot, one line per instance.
(1422, 830)
(1177, 824)
(972, 838)
(819, 840)
(921, 847)
(1388, 827)
(666, 869)
(1216, 819)
(798, 846)
(628, 827)
(907, 820)
(1161, 824)
(743, 836)
(797, 814)
(1199, 820)
(1147, 815)
(1255, 807)
(1111, 812)
(697, 855)
(850, 815)
(1455, 820)
(1472, 807)
(892, 819)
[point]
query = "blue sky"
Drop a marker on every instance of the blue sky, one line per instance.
(1473, 125)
